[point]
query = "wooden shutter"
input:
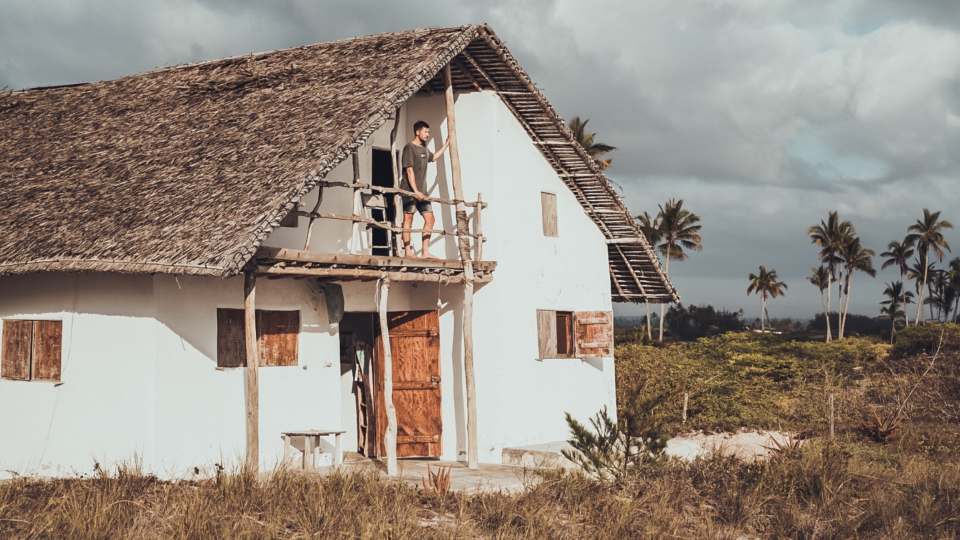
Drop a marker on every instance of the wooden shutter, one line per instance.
(565, 342)
(47, 347)
(16, 350)
(231, 341)
(594, 334)
(548, 202)
(547, 333)
(277, 336)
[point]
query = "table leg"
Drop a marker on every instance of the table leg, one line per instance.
(307, 452)
(337, 454)
(287, 448)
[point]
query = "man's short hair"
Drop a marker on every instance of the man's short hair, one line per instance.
(420, 124)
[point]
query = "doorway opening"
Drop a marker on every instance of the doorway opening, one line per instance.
(357, 335)
(382, 176)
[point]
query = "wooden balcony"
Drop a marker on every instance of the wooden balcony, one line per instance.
(280, 262)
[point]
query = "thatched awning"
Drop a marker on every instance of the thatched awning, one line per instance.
(186, 170)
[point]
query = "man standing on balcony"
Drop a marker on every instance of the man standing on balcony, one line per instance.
(414, 162)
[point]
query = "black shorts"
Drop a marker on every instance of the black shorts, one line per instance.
(412, 205)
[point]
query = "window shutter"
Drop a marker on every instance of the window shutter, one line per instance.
(277, 336)
(231, 341)
(16, 350)
(594, 334)
(565, 341)
(548, 201)
(47, 347)
(547, 333)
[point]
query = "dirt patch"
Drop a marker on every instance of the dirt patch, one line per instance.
(744, 444)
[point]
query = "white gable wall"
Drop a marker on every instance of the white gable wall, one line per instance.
(140, 374)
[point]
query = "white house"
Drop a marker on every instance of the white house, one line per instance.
(133, 209)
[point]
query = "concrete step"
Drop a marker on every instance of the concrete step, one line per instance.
(534, 456)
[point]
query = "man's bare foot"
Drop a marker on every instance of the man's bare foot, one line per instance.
(427, 255)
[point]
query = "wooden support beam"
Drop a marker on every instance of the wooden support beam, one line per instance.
(480, 239)
(316, 209)
(398, 191)
(374, 223)
(291, 256)
(253, 364)
(390, 433)
(357, 206)
(396, 240)
(464, 245)
(345, 274)
(624, 240)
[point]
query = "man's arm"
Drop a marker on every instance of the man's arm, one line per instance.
(412, 178)
(438, 153)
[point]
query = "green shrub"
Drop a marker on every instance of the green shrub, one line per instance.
(747, 379)
(920, 339)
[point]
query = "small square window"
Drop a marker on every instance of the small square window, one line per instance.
(31, 350)
(548, 202)
(277, 336)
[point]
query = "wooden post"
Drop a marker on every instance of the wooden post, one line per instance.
(390, 434)
(316, 209)
(253, 363)
(686, 399)
(464, 247)
(357, 206)
(480, 239)
(396, 239)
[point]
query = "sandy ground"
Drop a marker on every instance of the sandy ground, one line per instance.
(747, 445)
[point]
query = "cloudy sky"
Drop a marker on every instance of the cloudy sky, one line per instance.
(762, 115)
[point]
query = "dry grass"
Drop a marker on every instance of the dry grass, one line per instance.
(821, 491)
(852, 488)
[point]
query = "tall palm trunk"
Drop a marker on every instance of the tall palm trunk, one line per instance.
(906, 316)
(846, 309)
(823, 304)
(763, 310)
(840, 306)
(662, 306)
(829, 294)
(649, 330)
(923, 261)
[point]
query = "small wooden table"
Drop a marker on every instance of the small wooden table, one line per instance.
(311, 441)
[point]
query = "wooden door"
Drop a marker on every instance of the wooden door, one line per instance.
(415, 350)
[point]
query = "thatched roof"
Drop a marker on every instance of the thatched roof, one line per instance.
(186, 170)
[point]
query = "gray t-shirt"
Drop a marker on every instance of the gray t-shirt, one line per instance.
(416, 157)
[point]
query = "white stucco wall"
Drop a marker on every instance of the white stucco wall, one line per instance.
(139, 357)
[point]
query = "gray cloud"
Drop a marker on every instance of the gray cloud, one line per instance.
(762, 116)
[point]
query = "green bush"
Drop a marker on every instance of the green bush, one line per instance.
(920, 339)
(747, 379)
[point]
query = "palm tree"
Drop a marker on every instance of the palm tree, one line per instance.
(830, 236)
(821, 280)
(898, 254)
(898, 298)
(855, 258)
(927, 234)
(593, 149)
(679, 230)
(892, 305)
(955, 284)
(766, 284)
(651, 230)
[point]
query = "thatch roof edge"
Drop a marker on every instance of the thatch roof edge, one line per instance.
(122, 267)
(595, 169)
(245, 253)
